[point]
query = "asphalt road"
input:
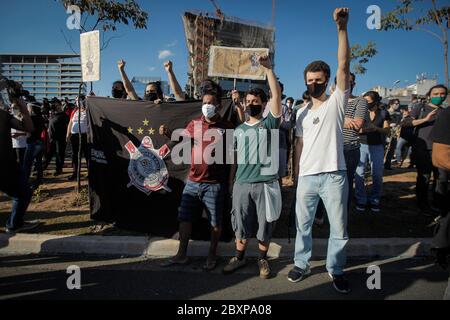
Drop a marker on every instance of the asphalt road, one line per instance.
(38, 277)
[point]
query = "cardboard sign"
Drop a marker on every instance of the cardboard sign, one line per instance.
(237, 63)
(90, 55)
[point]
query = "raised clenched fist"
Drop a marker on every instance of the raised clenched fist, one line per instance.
(168, 66)
(340, 16)
(121, 64)
(265, 62)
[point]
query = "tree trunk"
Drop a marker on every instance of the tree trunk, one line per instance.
(446, 62)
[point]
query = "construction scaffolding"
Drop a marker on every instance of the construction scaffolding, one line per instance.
(203, 30)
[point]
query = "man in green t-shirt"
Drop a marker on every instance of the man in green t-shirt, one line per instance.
(256, 191)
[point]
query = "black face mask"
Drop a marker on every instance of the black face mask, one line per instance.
(254, 110)
(118, 94)
(372, 106)
(317, 89)
(152, 96)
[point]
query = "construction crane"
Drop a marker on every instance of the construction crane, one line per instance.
(219, 12)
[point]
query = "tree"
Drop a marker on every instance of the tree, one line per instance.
(107, 15)
(361, 55)
(434, 20)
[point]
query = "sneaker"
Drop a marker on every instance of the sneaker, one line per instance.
(375, 208)
(27, 226)
(397, 164)
(340, 283)
(297, 274)
(233, 265)
(360, 207)
(264, 268)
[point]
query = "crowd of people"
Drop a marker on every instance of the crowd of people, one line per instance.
(329, 144)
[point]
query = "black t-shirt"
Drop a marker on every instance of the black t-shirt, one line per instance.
(57, 127)
(6, 149)
(395, 117)
(407, 132)
(441, 131)
(39, 126)
(375, 138)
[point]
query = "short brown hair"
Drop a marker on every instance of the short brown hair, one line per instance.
(317, 66)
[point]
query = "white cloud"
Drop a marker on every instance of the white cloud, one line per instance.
(151, 69)
(165, 54)
(172, 44)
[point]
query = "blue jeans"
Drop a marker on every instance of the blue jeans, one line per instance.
(15, 185)
(399, 150)
(351, 160)
(197, 196)
(34, 151)
(375, 155)
(332, 188)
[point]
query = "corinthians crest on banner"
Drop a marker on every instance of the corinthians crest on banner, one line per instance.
(131, 168)
(147, 169)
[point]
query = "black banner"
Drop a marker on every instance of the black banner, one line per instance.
(118, 131)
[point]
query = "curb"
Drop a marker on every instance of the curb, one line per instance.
(142, 246)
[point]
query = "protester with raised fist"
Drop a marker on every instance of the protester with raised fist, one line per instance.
(320, 162)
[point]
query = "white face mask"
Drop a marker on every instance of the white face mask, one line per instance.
(209, 110)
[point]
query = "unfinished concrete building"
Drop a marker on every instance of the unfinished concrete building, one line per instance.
(204, 30)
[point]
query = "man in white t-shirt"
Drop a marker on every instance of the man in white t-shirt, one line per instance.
(320, 163)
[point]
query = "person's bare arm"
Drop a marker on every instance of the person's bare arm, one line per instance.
(441, 156)
(126, 82)
(413, 122)
(275, 105)
(177, 91)
(353, 124)
(26, 124)
(429, 117)
(343, 72)
(69, 128)
(240, 108)
(297, 155)
(386, 128)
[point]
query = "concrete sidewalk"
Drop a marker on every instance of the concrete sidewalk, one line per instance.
(143, 246)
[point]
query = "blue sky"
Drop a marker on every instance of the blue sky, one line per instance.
(305, 31)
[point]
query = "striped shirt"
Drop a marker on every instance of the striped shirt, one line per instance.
(356, 108)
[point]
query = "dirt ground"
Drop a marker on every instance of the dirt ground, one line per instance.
(56, 204)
